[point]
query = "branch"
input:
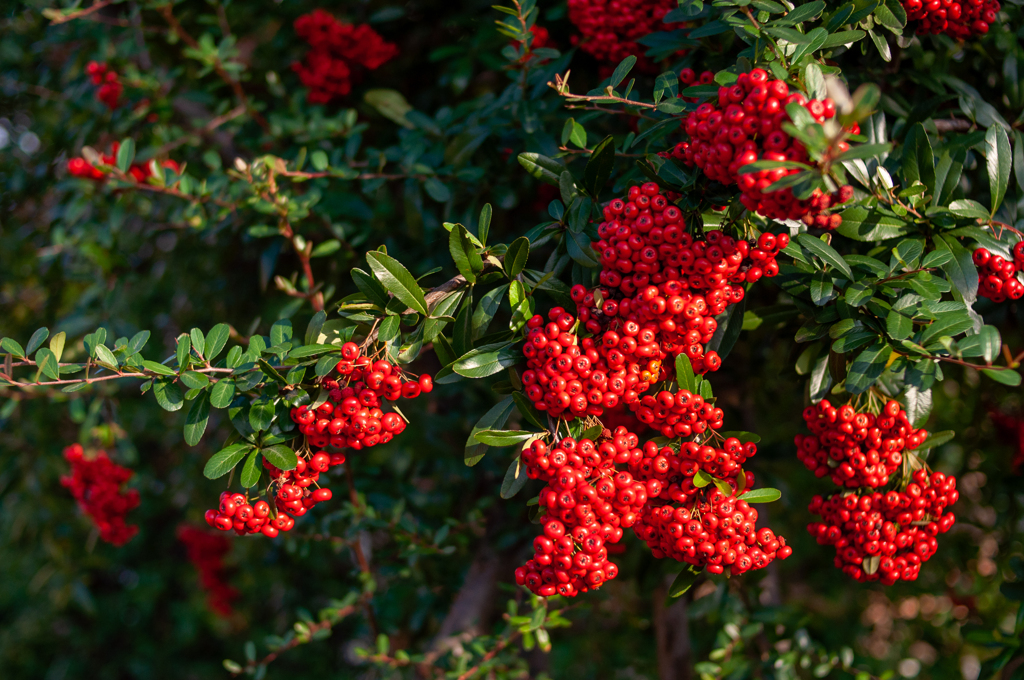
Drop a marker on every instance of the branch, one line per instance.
(168, 13)
(56, 18)
(952, 125)
(90, 380)
(561, 86)
(315, 628)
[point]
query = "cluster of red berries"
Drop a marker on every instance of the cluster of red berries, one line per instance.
(338, 52)
(997, 277)
(713, 531)
(96, 485)
(856, 449)
(878, 535)
(743, 126)
(110, 87)
(79, 167)
(587, 502)
(351, 417)
(206, 552)
(610, 29)
(958, 19)
(886, 536)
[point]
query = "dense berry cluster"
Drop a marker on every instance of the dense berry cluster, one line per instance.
(997, 276)
(587, 503)
(96, 485)
(886, 536)
(743, 126)
(856, 449)
(338, 54)
(110, 87)
(878, 535)
(140, 172)
(610, 29)
(958, 19)
(206, 552)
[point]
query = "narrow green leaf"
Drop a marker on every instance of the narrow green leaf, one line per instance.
(36, 341)
(125, 154)
(225, 460)
(197, 419)
(685, 377)
(483, 229)
(157, 368)
(515, 479)
(494, 418)
(47, 362)
(106, 357)
(216, 339)
(1006, 377)
(502, 437)
(397, 279)
(682, 583)
(998, 160)
(183, 354)
(251, 471)
(464, 253)
(194, 380)
(261, 414)
(766, 495)
(826, 252)
(516, 256)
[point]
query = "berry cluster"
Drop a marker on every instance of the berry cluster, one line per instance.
(96, 485)
(79, 167)
(960, 20)
(743, 126)
(610, 29)
(878, 535)
(856, 449)
(587, 503)
(337, 55)
(206, 552)
(110, 87)
(997, 277)
(678, 414)
(352, 417)
(886, 536)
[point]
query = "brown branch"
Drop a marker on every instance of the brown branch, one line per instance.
(561, 86)
(90, 380)
(326, 624)
(168, 13)
(56, 19)
(502, 644)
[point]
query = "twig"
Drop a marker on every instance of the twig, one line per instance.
(502, 644)
(95, 7)
(168, 13)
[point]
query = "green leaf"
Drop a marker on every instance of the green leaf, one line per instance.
(370, 287)
(261, 414)
(621, 71)
(826, 252)
(966, 207)
(516, 256)
(998, 159)
(682, 583)
(579, 249)
(389, 329)
(936, 439)
(225, 460)
(464, 253)
(599, 167)
(918, 405)
(198, 340)
(58, 340)
(48, 364)
(918, 159)
(1018, 158)
(766, 495)
(135, 345)
(183, 354)
(685, 377)
(11, 346)
(800, 14)
(443, 307)
(197, 419)
(486, 309)
(898, 326)
(106, 357)
(1006, 377)
(157, 368)
(541, 167)
(502, 437)
(251, 471)
(862, 224)
(487, 360)
(397, 279)
(125, 154)
(281, 457)
(866, 368)
(822, 290)
(36, 341)
(222, 393)
(391, 104)
(515, 479)
(483, 228)
(960, 268)
(702, 479)
(494, 418)
(216, 339)
(194, 380)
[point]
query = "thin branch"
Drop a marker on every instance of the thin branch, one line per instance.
(56, 19)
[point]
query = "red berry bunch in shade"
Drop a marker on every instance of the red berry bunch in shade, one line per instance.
(206, 552)
(338, 53)
(997, 276)
(110, 87)
(744, 125)
(609, 29)
(714, 531)
(961, 19)
(96, 484)
(352, 416)
(856, 449)
(586, 504)
(79, 167)
(886, 536)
